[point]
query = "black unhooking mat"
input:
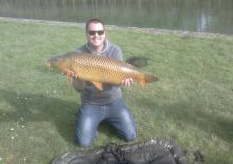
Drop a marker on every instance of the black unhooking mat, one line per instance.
(151, 152)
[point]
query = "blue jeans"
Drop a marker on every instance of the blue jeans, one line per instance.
(116, 114)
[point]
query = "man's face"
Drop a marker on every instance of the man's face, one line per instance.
(95, 34)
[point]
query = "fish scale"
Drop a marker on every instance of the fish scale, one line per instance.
(98, 69)
(104, 69)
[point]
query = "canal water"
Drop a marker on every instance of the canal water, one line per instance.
(214, 16)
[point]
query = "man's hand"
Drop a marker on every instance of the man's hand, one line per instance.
(69, 73)
(127, 82)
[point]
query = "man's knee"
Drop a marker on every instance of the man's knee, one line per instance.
(83, 142)
(130, 136)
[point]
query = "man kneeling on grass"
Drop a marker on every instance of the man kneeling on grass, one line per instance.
(105, 105)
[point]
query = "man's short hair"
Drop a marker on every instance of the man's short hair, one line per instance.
(93, 20)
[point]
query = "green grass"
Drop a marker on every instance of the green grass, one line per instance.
(192, 102)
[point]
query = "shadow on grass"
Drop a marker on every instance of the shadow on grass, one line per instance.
(28, 108)
(37, 108)
(194, 115)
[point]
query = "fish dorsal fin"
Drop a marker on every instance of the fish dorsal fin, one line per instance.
(98, 85)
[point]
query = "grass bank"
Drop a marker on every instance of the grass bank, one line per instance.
(192, 103)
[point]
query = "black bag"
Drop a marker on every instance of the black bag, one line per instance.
(151, 152)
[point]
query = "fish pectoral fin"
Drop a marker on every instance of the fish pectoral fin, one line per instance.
(98, 85)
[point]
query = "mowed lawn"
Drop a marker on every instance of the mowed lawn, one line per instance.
(192, 103)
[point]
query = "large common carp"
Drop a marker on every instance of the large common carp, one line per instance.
(97, 69)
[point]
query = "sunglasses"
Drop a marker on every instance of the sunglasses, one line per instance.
(100, 32)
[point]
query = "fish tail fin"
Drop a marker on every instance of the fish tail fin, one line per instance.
(150, 78)
(145, 78)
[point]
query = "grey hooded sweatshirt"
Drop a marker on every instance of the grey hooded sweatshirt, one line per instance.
(110, 93)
